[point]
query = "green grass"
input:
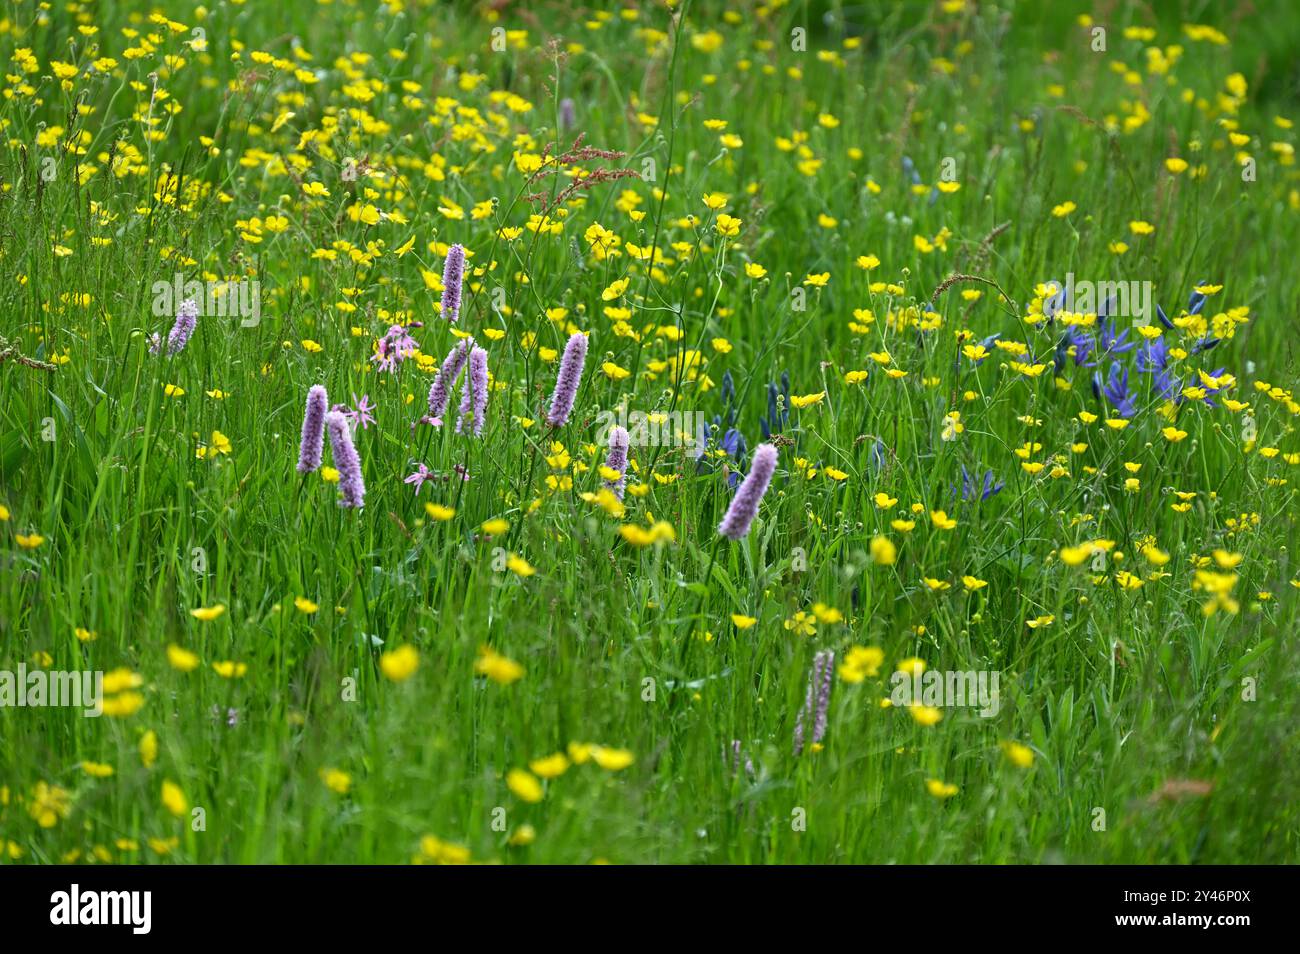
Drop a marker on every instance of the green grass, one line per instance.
(1174, 722)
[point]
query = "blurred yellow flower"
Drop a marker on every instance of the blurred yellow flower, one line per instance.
(182, 659)
(173, 798)
(497, 667)
(336, 780)
(525, 786)
(400, 664)
(1021, 756)
(611, 759)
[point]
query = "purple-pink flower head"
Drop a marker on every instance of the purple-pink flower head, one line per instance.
(363, 414)
(734, 755)
(187, 316)
(352, 489)
(817, 700)
(744, 506)
(568, 115)
(453, 271)
(567, 381)
(474, 394)
(617, 459)
(421, 475)
(393, 348)
(313, 430)
(445, 379)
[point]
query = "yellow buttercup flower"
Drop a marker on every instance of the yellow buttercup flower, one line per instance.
(861, 662)
(806, 400)
(182, 659)
(400, 664)
(497, 667)
(925, 715)
(941, 520)
(612, 760)
(519, 566)
(440, 513)
(940, 789)
(1021, 756)
(552, 766)
(48, 804)
(912, 666)
(525, 786)
(522, 836)
(148, 748)
(336, 780)
(173, 798)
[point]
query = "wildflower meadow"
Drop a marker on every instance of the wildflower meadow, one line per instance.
(649, 432)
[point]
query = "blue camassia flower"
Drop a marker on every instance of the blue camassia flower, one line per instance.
(1115, 389)
(990, 486)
